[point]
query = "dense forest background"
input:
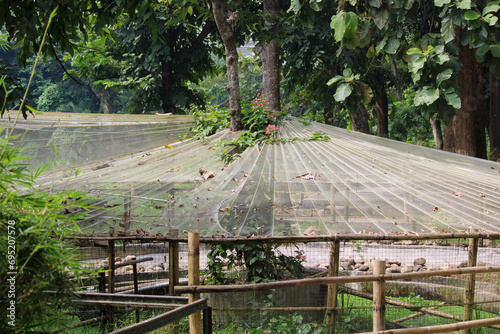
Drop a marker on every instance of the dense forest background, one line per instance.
(425, 72)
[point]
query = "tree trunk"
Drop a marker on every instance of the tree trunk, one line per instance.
(437, 132)
(465, 134)
(494, 126)
(359, 120)
(103, 96)
(382, 106)
(268, 52)
(225, 21)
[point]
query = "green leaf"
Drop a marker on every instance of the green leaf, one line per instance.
(381, 18)
(351, 21)
(392, 46)
(334, 80)
(447, 29)
(413, 51)
(471, 15)
(441, 3)
(495, 50)
(338, 24)
(371, 52)
(453, 100)
(445, 75)
(295, 6)
(481, 52)
(417, 63)
(316, 5)
(381, 45)
(343, 92)
(375, 3)
(464, 4)
(491, 7)
(442, 58)
(490, 19)
(426, 96)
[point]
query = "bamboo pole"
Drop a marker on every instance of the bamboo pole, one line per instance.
(418, 314)
(194, 279)
(173, 266)
(471, 280)
(332, 280)
(442, 328)
(379, 296)
(333, 270)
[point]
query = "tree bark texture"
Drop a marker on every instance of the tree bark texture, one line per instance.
(225, 21)
(465, 134)
(103, 96)
(437, 132)
(359, 120)
(382, 106)
(268, 52)
(494, 125)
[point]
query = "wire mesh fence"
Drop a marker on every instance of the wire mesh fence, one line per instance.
(413, 302)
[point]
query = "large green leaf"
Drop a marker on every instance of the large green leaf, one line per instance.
(381, 17)
(351, 21)
(464, 4)
(317, 5)
(491, 7)
(495, 50)
(343, 92)
(392, 46)
(453, 99)
(426, 96)
(441, 3)
(447, 29)
(375, 3)
(445, 75)
(334, 80)
(295, 6)
(481, 52)
(338, 24)
(416, 63)
(471, 15)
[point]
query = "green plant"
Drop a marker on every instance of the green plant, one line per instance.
(260, 263)
(32, 229)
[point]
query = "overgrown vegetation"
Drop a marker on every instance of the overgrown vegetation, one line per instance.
(32, 226)
(251, 264)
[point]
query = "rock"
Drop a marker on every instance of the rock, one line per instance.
(391, 262)
(346, 265)
(359, 261)
(105, 263)
(150, 267)
(463, 264)
(395, 269)
(419, 262)
(129, 268)
(158, 268)
(363, 267)
(406, 269)
(417, 267)
(129, 258)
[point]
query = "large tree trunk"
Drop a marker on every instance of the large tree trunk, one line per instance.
(494, 126)
(103, 96)
(437, 132)
(225, 21)
(382, 106)
(359, 120)
(465, 134)
(268, 52)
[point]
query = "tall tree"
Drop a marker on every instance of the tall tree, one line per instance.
(494, 118)
(268, 52)
(226, 21)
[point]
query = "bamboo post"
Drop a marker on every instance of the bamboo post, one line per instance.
(111, 262)
(333, 270)
(136, 291)
(173, 266)
(471, 280)
(194, 279)
(379, 297)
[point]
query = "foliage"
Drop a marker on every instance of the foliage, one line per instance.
(347, 84)
(32, 226)
(260, 263)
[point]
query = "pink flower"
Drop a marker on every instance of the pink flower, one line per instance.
(270, 129)
(252, 107)
(263, 100)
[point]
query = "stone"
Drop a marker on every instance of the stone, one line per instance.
(417, 267)
(406, 269)
(364, 267)
(129, 268)
(463, 264)
(419, 262)
(129, 258)
(359, 260)
(346, 265)
(391, 262)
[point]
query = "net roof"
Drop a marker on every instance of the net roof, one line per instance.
(353, 183)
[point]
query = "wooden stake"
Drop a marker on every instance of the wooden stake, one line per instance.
(471, 279)
(379, 297)
(194, 279)
(333, 270)
(173, 266)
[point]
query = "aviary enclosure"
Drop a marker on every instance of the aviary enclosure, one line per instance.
(393, 238)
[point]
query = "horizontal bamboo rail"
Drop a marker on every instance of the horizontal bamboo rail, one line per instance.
(442, 328)
(332, 280)
(293, 239)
